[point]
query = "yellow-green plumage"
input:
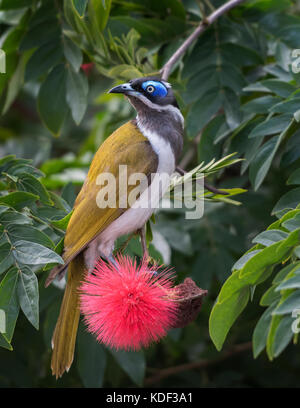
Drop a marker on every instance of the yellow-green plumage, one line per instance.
(126, 146)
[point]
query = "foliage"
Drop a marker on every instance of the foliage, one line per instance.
(31, 236)
(237, 90)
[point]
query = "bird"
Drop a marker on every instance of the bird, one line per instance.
(150, 144)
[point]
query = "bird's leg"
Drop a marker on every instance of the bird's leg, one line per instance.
(112, 260)
(105, 250)
(142, 233)
(91, 255)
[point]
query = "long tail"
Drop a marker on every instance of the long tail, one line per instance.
(64, 336)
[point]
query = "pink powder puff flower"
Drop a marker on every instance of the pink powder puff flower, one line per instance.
(128, 306)
(87, 68)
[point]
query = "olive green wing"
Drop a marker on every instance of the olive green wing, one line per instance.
(126, 146)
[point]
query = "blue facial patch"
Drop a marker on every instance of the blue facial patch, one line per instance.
(155, 88)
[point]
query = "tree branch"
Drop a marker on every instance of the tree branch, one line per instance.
(167, 372)
(166, 69)
(206, 185)
(142, 232)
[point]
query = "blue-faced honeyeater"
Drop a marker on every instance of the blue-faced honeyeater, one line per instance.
(150, 144)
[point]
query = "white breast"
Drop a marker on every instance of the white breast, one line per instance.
(166, 159)
(136, 216)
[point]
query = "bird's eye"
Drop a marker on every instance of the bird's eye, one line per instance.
(150, 88)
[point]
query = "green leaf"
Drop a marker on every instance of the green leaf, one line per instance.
(124, 71)
(7, 159)
(283, 335)
(290, 34)
(206, 78)
(91, 360)
(267, 238)
(9, 302)
(63, 222)
(207, 149)
(69, 194)
(14, 4)
(294, 177)
(31, 253)
(280, 88)
(291, 106)
(291, 283)
(3, 209)
(18, 199)
(292, 223)
(280, 276)
(44, 58)
(4, 343)
(80, 6)
(244, 259)
(267, 257)
(201, 112)
(262, 163)
(59, 203)
(289, 304)
(24, 168)
(288, 201)
(6, 258)
(271, 126)
(59, 248)
(269, 296)
(260, 105)
(297, 115)
(52, 105)
(28, 233)
(231, 106)
(77, 91)
(30, 183)
(276, 319)
(133, 363)
(41, 33)
(15, 83)
(261, 330)
(98, 14)
(256, 87)
(297, 251)
(224, 314)
(28, 295)
(73, 54)
(14, 217)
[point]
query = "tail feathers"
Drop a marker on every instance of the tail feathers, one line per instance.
(64, 336)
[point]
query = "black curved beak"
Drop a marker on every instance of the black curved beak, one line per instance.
(122, 89)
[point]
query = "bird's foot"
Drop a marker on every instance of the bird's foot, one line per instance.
(113, 261)
(151, 262)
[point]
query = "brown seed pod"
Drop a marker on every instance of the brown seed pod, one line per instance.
(189, 297)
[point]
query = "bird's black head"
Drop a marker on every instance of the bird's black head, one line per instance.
(151, 92)
(157, 109)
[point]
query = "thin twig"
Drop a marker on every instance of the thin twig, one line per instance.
(165, 71)
(167, 372)
(206, 185)
(142, 232)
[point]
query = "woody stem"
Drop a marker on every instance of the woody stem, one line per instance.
(142, 233)
(205, 23)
